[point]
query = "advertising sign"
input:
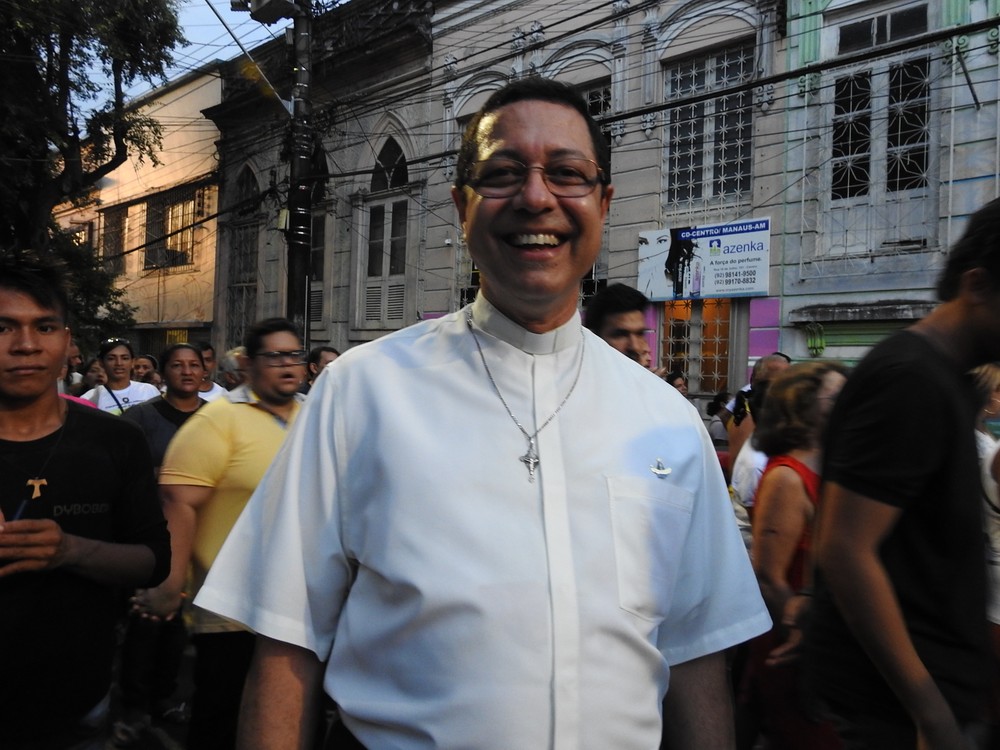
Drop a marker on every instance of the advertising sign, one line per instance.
(716, 260)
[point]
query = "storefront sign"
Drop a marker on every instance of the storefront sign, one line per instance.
(717, 260)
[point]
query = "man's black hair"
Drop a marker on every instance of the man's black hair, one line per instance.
(42, 280)
(717, 403)
(317, 352)
(531, 89)
(107, 345)
(613, 300)
(204, 346)
(978, 247)
(258, 331)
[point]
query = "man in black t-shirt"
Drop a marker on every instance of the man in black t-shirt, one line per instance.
(897, 640)
(79, 522)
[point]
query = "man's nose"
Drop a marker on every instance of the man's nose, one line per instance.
(535, 193)
(637, 342)
(27, 340)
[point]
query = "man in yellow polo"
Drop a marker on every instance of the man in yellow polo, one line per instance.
(211, 468)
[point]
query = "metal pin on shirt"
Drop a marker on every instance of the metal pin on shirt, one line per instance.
(660, 470)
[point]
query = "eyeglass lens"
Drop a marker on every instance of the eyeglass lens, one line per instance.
(502, 178)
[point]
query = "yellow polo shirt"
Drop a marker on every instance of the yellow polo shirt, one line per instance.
(228, 447)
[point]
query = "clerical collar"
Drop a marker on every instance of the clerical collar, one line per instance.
(495, 323)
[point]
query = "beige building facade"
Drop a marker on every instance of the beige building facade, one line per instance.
(860, 134)
(154, 221)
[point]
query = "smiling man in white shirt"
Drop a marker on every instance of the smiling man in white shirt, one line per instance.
(492, 530)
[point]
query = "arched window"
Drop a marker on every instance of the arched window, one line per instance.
(390, 169)
(382, 303)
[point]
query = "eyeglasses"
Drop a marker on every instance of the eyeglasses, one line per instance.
(565, 178)
(281, 359)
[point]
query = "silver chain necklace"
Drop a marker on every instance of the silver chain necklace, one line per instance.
(531, 458)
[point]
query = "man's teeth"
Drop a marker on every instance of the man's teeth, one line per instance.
(534, 239)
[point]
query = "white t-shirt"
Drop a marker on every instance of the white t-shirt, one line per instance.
(134, 393)
(748, 467)
(397, 536)
(216, 391)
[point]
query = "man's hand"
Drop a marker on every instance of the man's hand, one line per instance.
(851, 531)
(162, 603)
(33, 545)
(792, 619)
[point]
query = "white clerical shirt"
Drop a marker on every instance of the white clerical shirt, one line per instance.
(397, 535)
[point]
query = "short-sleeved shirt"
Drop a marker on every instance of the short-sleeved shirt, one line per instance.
(59, 627)
(902, 432)
(228, 447)
(461, 604)
(118, 401)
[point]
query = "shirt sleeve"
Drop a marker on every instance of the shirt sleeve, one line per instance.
(717, 601)
(884, 407)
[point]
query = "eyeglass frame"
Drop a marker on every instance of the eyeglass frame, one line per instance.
(279, 358)
(600, 178)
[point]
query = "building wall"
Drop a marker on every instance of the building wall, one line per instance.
(170, 280)
(852, 266)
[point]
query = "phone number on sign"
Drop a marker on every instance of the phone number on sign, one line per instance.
(735, 277)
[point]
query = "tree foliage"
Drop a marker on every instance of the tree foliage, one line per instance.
(98, 309)
(64, 118)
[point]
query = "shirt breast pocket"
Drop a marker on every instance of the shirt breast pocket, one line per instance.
(650, 520)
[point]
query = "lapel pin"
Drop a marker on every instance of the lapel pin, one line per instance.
(660, 470)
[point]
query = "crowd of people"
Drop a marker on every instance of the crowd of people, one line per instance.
(491, 530)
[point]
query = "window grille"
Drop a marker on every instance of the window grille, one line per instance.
(906, 108)
(113, 239)
(696, 342)
(709, 153)
(241, 288)
(170, 221)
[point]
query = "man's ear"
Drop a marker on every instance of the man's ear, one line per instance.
(979, 284)
(607, 193)
(460, 199)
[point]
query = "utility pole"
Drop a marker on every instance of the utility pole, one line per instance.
(300, 188)
(298, 230)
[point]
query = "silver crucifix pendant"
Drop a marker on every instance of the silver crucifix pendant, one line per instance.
(530, 459)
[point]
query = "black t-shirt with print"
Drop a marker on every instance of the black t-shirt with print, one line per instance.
(94, 477)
